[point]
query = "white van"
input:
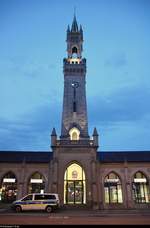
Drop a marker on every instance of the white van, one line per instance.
(37, 201)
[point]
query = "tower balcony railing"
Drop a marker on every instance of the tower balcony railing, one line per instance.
(81, 142)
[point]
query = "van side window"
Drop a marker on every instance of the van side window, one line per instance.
(29, 197)
(39, 197)
(50, 197)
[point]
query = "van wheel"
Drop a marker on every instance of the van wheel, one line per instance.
(18, 209)
(48, 209)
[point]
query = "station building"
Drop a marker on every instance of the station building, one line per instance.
(74, 168)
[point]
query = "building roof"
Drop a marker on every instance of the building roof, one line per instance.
(45, 157)
(23, 156)
(122, 156)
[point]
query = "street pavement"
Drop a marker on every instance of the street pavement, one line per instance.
(76, 216)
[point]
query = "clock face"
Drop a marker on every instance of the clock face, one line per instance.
(75, 84)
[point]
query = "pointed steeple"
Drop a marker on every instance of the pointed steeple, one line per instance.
(81, 30)
(74, 27)
(68, 29)
(54, 132)
(53, 138)
(95, 137)
(95, 132)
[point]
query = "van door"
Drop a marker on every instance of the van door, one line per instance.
(26, 203)
(39, 202)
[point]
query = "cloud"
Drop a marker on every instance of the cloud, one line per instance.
(127, 104)
(117, 60)
(31, 131)
(121, 118)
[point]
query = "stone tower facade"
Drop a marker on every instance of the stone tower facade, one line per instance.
(74, 153)
(74, 116)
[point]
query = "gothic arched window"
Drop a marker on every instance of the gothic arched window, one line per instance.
(140, 188)
(36, 183)
(74, 50)
(8, 188)
(112, 189)
(74, 134)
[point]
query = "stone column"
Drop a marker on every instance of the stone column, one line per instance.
(94, 186)
(55, 176)
(20, 193)
(128, 189)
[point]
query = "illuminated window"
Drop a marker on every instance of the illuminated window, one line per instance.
(140, 188)
(74, 59)
(113, 189)
(74, 185)
(74, 134)
(8, 188)
(36, 183)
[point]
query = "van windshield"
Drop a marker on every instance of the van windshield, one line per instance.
(29, 197)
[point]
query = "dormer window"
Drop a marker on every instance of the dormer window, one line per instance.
(74, 134)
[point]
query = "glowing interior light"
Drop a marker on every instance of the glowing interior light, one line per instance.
(36, 181)
(112, 180)
(74, 60)
(9, 180)
(74, 134)
(143, 180)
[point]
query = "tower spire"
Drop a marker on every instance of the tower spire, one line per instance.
(74, 115)
(74, 27)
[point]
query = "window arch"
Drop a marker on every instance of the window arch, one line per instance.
(112, 189)
(74, 50)
(74, 134)
(36, 183)
(140, 188)
(8, 188)
(74, 185)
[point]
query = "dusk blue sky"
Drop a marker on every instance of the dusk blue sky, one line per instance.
(117, 49)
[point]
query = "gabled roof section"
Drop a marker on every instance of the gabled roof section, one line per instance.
(128, 156)
(27, 157)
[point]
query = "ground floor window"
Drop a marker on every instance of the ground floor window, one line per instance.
(74, 185)
(112, 189)
(8, 188)
(140, 188)
(36, 183)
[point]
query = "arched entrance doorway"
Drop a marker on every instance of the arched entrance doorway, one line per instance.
(74, 185)
(8, 189)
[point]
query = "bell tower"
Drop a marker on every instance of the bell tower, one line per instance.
(74, 152)
(74, 115)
